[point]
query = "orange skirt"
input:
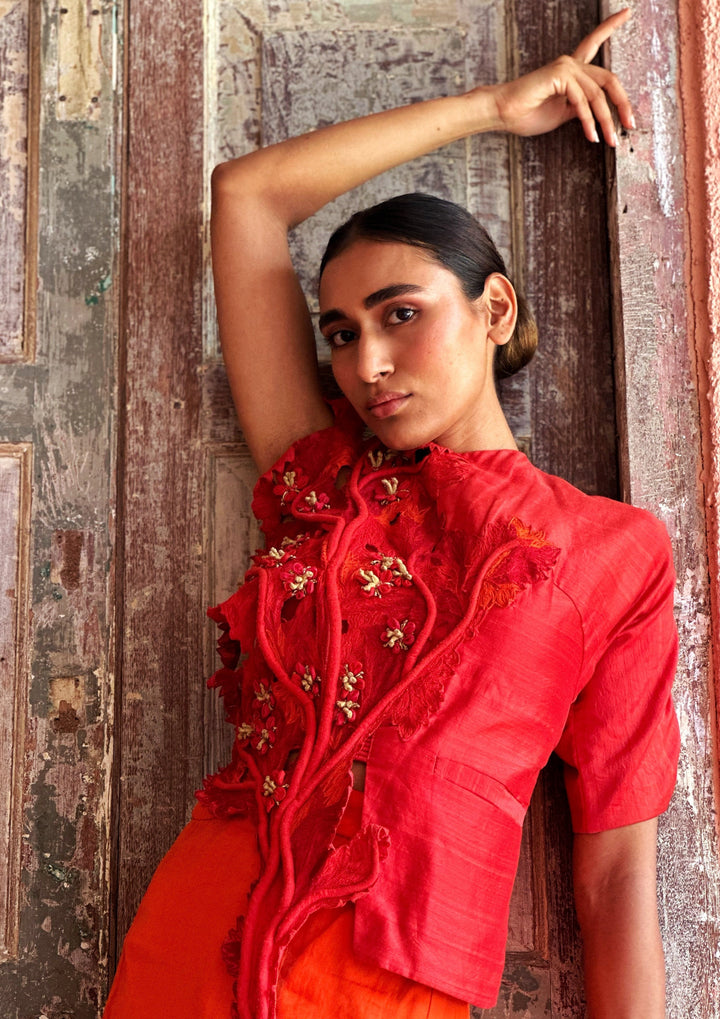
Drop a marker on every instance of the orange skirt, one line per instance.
(171, 962)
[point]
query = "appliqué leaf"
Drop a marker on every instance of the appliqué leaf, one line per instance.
(352, 869)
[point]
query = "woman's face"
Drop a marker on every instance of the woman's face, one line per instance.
(410, 352)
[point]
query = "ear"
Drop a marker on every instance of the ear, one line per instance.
(500, 301)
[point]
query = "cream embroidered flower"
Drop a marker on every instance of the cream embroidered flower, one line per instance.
(315, 501)
(298, 579)
(274, 788)
(398, 636)
(307, 679)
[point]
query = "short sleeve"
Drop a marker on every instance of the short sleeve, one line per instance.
(621, 741)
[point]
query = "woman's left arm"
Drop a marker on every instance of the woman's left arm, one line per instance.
(615, 896)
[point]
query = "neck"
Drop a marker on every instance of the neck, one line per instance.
(488, 430)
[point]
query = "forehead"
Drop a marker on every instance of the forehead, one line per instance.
(369, 266)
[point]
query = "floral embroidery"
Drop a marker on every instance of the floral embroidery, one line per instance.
(398, 636)
(374, 585)
(378, 457)
(299, 580)
(289, 542)
(244, 732)
(264, 703)
(352, 678)
(289, 485)
(392, 491)
(265, 734)
(272, 557)
(389, 572)
(351, 683)
(399, 571)
(274, 788)
(307, 678)
(346, 708)
(315, 501)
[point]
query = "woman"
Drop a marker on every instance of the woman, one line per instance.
(430, 618)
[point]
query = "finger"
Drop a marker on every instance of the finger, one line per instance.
(600, 107)
(610, 83)
(579, 102)
(588, 48)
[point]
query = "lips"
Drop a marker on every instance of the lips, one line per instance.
(385, 404)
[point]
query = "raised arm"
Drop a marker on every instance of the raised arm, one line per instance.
(265, 328)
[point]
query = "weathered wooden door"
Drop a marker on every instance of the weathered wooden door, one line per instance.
(59, 209)
(124, 482)
(271, 70)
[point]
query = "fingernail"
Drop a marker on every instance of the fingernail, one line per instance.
(632, 121)
(615, 139)
(595, 136)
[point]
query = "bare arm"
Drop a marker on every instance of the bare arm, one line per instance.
(265, 328)
(615, 896)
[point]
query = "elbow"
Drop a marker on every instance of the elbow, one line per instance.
(243, 194)
(230, 178)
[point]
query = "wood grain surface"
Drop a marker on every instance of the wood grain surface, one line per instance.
(662, 470)
(57, 405)
(15, 504)
(161, 705)
(17, 21)
(122, 420)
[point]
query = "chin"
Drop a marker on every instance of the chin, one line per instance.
(399, 437)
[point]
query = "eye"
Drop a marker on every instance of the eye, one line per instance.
(340, 338)
(401, 315)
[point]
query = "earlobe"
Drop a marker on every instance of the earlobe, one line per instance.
(501, 303)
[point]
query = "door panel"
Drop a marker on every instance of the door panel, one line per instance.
(355, 61)
(124, 482)
(58, 328)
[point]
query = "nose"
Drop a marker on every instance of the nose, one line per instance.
(374, 360)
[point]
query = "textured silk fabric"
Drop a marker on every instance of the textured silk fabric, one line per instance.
(453, 618)
(171, 963)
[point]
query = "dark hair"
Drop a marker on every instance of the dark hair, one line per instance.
(453, 239)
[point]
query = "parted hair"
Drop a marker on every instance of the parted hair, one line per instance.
(455, 240)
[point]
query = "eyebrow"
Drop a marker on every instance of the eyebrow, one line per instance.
(371, 301)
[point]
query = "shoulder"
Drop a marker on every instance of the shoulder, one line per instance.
(478, 486)
(312, 461)
(603, 544)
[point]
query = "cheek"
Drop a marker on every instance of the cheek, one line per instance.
(343, 373)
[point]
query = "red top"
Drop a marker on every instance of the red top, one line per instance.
(452, 618)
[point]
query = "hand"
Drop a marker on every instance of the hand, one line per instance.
(569, 87)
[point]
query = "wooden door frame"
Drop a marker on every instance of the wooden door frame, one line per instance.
(660, 384)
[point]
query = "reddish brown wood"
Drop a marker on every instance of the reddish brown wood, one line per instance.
(661, 370)
(566, 272)
(160, 707)
(572, 409)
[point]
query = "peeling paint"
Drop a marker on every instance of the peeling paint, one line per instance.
(80, 63)
(102, 285)
(13, 175)
(664, 104)
(664, 464)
